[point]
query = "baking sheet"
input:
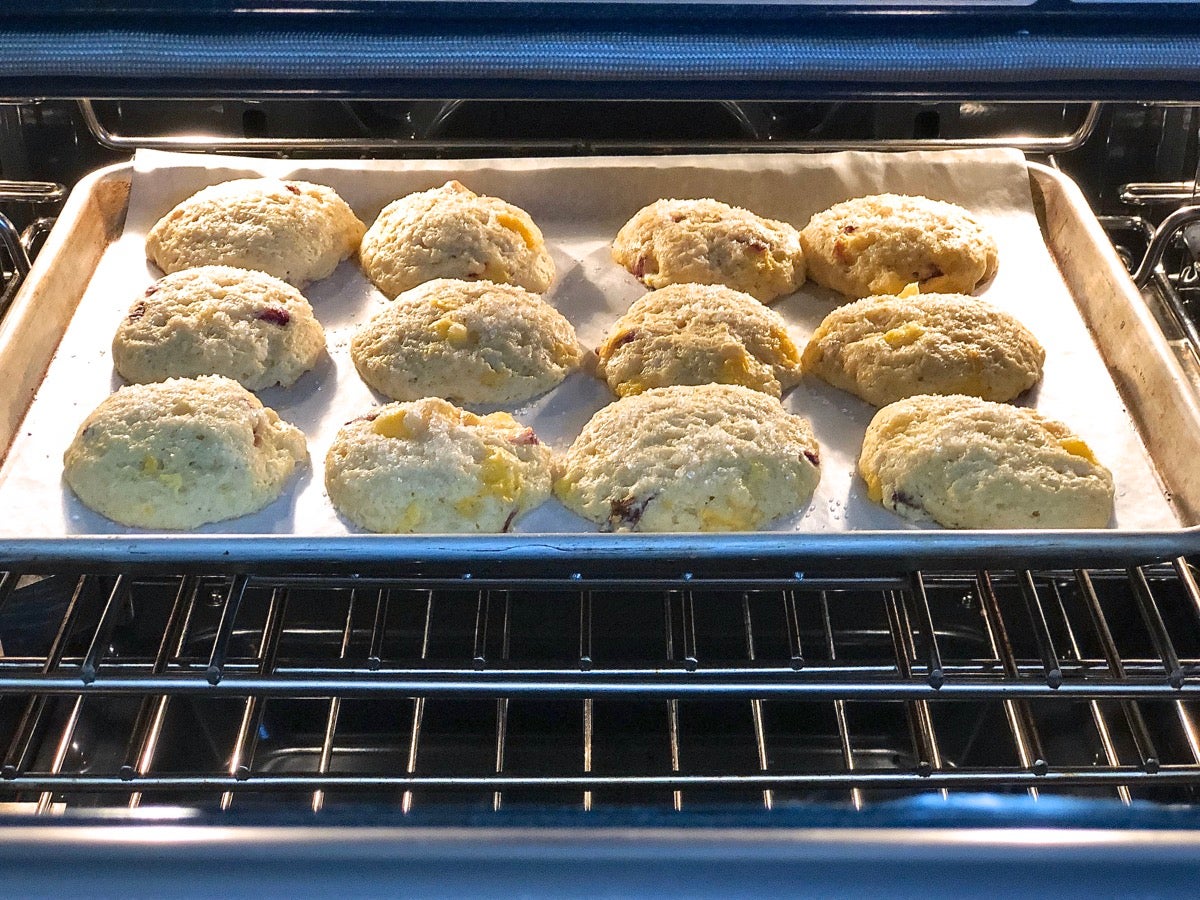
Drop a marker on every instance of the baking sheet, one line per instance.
(580, 204)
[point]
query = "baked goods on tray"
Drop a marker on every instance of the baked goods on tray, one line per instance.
(885, 348)
(293, 230)
(473, 342)
(218, 320)
(452, 232)
(709, 242)
(182, 452)
(430, 467)
(697, 334)
(713, 457)
(970, 463)
(879, 244)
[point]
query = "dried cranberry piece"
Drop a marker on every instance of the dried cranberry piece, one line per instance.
(276, 315)
(900, 498)
(624, 338)
(627, 511)
(137, 312)
(813, 457)
(526, 437)
(292, 188)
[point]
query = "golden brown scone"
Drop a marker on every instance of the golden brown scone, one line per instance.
(430, 467)
(879, 244)
(474, 342)
(885, 348)
(180, 453)
(452, 232)
(293, 230)
(697, 334)
(711, 457)
(218, 320)
(970, 463)
(709, 242)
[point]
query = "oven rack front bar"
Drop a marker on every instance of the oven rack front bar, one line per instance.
(988, 779)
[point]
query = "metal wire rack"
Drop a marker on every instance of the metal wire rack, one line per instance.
(217, 690)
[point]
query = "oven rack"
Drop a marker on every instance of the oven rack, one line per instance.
(218, 690)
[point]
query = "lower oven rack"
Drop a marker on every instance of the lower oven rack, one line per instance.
(220, 691)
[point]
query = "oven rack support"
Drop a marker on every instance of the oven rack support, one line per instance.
(430, 139)
(1118, 650)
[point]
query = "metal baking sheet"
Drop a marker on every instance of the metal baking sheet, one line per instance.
(580, 204)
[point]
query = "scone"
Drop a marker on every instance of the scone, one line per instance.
(180, 453)
(697, 334)
(885, 348)
(877, 245)
(970, 463)
(218, 320)
(713, 457)
(474, 342)
(709, 242)
(452, 232)
(430, 467)
(290, 229)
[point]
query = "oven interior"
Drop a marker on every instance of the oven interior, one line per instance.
(470, 695)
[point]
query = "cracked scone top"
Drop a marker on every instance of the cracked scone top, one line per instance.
(885, 348)
(294, 230)
(452, 232)
(698, 334)
(218, 320)
(970, 463)
(180, 453)
(712, 457)
(429, 467)
(469, 341)
(879, 244)
(709, 242)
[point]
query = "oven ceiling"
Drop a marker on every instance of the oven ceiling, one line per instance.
(1050, 49)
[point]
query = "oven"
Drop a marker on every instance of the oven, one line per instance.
(666, 723)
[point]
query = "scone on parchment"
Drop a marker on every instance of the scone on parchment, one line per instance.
(179, 453)
(452, 232)
(709, 242)
(970, 463)
(698, 334)
(879, 244)
(293, 230)
(713, 457)
(885, 348)
(470, 341)
(429, 467)
(218, 320)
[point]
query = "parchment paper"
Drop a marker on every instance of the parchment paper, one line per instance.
(580, 204)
